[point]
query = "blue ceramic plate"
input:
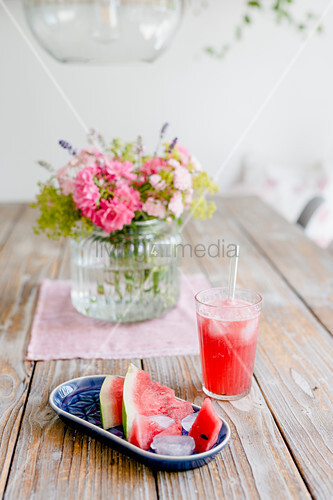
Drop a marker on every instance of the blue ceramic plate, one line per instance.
(77, 403)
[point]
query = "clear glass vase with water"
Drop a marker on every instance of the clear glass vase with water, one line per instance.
(127, 276)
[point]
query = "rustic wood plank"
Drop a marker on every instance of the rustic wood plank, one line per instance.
(256, 463)
(85, 450)
(80, 466)
(294, 357)
(65, 265)
(307, 268)
(9, 214)
(24, 261)
(53, 461)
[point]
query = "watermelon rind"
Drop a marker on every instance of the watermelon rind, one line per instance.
(129, 410)
(108, 406)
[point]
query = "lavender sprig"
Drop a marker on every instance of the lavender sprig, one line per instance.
(68, 146)
(172, 145)
(160, 139)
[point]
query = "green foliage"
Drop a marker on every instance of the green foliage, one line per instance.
(201, 208)
(280, 10)
(58, 214)
(203, 183)
(125, 151)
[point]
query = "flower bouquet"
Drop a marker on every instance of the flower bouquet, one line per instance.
(122, 210)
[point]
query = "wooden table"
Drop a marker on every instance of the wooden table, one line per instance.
(282, 433)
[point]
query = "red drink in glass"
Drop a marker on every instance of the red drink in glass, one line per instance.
(228, 332)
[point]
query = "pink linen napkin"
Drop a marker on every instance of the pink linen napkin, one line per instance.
(60, 332)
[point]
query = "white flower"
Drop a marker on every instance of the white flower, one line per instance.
(155, 208)
(182, 178)
(176, 204)
(157, 182)
(174, 163)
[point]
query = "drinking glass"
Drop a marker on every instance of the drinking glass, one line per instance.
(228, 330)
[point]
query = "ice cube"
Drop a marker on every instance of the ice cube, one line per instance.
(174, 446)
(188, 421)
(249, 329)
(162, 420)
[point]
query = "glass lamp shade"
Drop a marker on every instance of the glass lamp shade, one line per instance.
(103, 31)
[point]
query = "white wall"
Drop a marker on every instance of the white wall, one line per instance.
(208, 102)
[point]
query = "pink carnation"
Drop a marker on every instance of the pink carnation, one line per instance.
(119, 211)
(182, 179)
(157, 182)
(86, 193)
(88, 157)
(155, 208)
(176, 204)
(153, 166)
(117, 168)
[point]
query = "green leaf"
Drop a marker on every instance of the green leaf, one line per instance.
(210, 51)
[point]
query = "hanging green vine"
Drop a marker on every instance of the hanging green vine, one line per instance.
(279, 10)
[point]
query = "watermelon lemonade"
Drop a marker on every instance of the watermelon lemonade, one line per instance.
(228, 330)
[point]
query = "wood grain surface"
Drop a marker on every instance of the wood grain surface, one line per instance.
(294, 358)
(306, 268)
(282, 439)
(24, 262)
(256, 461)
(53, 461)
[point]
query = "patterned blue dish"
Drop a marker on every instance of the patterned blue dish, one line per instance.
(77, 403)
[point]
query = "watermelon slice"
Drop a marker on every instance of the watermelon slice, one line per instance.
(174, 430)
(111, 400)
(143, 431)
(141, 396)
(206, 427)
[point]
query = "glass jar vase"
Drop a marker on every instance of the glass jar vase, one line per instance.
(129, 275)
